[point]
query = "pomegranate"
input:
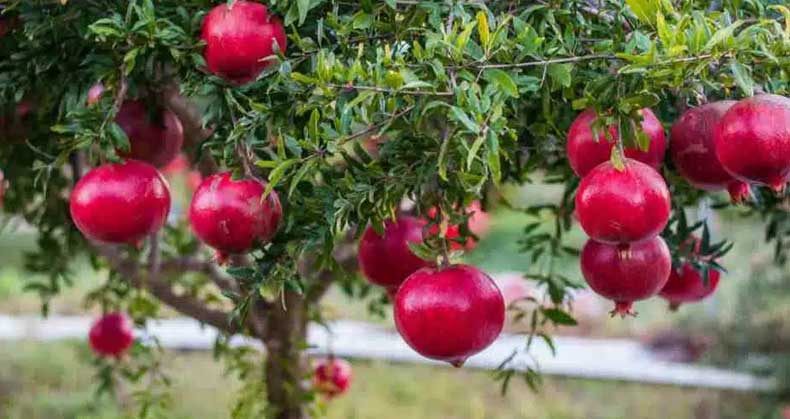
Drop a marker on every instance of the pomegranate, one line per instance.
(629, 275)
(687, 286)
(5, 27)
(95, 93)
(584, 152)
(2, 188)
(120, 203)
(17, 126)
(239, 37)
(623, 206)
(386, 260)
(753, 140)
(694, 152)
(332, 376)
(477, 222)
(155, 137)
(112, 335)
(230, 216)
(449, 314)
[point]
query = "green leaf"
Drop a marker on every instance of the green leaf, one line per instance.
(459, 115)
(559, 316)
(303, 6)
(722, 35)
(645, 10)
(503, 80)
(483, 30)
(561, 74)
(742, 78)
(277, 174)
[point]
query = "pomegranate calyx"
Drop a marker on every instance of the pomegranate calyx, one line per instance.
(623, 309)
(740, 192)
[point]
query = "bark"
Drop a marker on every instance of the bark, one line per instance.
(286, 368)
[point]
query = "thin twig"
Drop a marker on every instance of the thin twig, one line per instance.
(391, 91)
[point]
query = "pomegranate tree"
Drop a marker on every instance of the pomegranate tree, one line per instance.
(626, 275)
(332, 376)
(232, 216)
(241, 38)
(111, 335)
(386, 259)
(120, 203)
(449, 314)
(587, 149)
(753, 140)
(693, 150)
(620, 206)
(155, 135)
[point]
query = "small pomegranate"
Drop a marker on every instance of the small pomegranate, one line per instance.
(693, 151)
(239, 37)
(95, 93)
(112, 335)
(155, 137)
(449, 314)
(753, 140)
(626, 275)
(623, 206)
(120, 203)
(687, 286)
(386, 260)
(231, 216)
(2, 188)
(332, 377)
(477, 222)
(584, 152)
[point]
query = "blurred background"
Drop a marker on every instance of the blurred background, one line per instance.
(741, 327)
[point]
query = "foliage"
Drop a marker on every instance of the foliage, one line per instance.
(464, 96)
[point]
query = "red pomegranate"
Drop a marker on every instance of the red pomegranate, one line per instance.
(694, 152)
(95, 93)
(584, 152)
(449, 314)
(332, 376)
(5, 26)
(230, 216)
(386, 260)
(626, 275)
(112, 335)
(687, 286)
(478, 224)
(623, 206)
(239, 37)
(155, 136)
(120, 203)
(753, 140)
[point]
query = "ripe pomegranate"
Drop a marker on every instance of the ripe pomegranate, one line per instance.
(584, 152)
(332, 376)
(687, 286)
(230, 216)
(386, 260)
(477, 222)
(120, 203)
(155, 137)
(112, 335)
(694, 152)
(449, 314)
(95, 93)
(239, 37)
(753, 140)
(629, 275)
(623, 206)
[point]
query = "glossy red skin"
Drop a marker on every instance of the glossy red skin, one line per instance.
(112, 335)
(120, 203)
(386, 260)
(585, 153)
(693, 150)
(230, 215)
(449, 314)
(687, 286)
(626, 275)
(332, 377)
(478, 224)
(620, 207)
(239, 38)
(753, 140)
(154, 138)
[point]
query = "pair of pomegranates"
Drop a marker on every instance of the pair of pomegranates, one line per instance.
(444, 313)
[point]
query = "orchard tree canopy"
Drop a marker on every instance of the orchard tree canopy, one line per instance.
(350, 113)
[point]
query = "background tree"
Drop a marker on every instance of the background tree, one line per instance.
(458, 97)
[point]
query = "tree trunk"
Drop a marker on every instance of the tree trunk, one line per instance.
(286, 334)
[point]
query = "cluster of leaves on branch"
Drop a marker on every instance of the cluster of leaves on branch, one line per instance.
(460, 97)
